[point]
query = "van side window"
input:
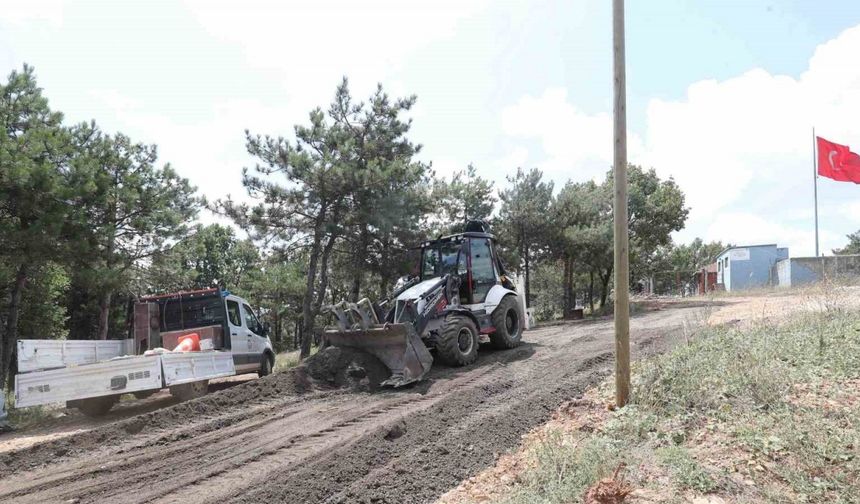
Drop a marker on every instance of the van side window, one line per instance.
(233, 313)
(251, 320)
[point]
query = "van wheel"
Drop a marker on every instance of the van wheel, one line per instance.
(265, 366)
(95, 407)
(188, 391)
(458, 341)
(509, 322)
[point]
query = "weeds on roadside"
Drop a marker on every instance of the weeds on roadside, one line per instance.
(685, 470)
(743, 383)
(289, 360)
(566, 469)
(20, 418)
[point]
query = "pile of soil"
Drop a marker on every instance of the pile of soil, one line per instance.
(345, 367)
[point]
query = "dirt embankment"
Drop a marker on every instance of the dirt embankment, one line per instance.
(286, 438)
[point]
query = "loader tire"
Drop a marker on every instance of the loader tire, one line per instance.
(458, 343)
(188, 391)
(95, 407)
(508, 320)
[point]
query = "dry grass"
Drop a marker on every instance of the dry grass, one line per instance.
(765, 411)
(289, 360)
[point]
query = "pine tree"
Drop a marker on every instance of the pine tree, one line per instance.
(130, 210)
(523, 223)
(466, 197)
(34, 191)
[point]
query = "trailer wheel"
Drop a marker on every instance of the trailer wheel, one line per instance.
(508, 321)
(95, 407)
(265, 366)
(458, 343)
(188, 391)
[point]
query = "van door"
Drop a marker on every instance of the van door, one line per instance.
(256, 340)
(240, 339)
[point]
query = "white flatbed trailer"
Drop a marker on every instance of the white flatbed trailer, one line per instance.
(85, 370)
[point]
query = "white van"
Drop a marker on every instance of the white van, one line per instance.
(92, 375)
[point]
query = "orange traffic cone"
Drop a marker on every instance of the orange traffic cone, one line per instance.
(188, 343)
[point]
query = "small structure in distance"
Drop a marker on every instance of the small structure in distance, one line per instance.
(805, 270)
(749, 266)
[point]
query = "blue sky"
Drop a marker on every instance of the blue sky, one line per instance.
(722, 95)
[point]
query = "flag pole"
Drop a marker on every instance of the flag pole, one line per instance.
(815, 184)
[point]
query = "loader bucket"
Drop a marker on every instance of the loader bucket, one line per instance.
(396, 345)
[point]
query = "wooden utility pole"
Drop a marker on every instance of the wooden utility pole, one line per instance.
(621, 265)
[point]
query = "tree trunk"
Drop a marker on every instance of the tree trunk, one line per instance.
(10, 338)
(604, 288)
(565, 294)
(360, 255)
(528, 288)
(326, 253)
(308, 314)
(104, 302)
(591, 291)
(570, 289)
(104, 315)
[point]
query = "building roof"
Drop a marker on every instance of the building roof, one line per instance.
(747, 246)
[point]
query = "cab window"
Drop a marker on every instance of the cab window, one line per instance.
(446, 259)
(233, 313)
(483, 272)
(251, 320)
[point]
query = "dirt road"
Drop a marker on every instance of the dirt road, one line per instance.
(264, 441)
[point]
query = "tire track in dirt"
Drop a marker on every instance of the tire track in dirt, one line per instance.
(395, 446)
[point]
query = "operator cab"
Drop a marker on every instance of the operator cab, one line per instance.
(471, 257)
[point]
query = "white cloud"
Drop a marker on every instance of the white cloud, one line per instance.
(309, 45)
(574, 144)
(755, 230)
(46, 11)
(515, 157)
(741, 149)
(115, 100)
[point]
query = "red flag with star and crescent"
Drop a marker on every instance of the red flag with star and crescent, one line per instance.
(837, 162)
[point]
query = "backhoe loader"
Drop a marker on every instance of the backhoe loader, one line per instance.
(461, 291)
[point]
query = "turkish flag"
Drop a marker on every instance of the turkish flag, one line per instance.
(837, 161)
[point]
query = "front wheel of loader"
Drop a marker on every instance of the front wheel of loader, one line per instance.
(508, 320)
(458, 343)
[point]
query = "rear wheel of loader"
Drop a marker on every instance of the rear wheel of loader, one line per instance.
(188, 391)
(95, 407)
(458, 343)
(508, 321)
